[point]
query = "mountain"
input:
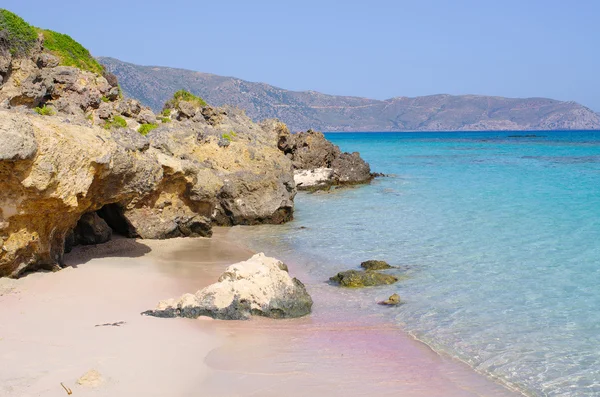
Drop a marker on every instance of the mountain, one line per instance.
(153, 85)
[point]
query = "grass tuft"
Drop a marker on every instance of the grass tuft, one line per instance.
(146, 128)
(115, 122)
(44, 111)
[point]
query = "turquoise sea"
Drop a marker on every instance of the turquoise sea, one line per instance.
(499, 235)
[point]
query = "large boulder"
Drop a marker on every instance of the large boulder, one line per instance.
(259, 286)
(317, 162)
(91, 229)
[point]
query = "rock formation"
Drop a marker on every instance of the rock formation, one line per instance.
(78, 162)
(319, 163)
(259, 286)
(78, 170)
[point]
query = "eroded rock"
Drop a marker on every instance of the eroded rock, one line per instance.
(259, 286)
(317, 162)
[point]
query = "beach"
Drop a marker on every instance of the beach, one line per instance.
(56, 327)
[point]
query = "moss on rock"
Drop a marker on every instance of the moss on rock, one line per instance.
(360, 279)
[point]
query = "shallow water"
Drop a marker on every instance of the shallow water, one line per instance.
(499, 237)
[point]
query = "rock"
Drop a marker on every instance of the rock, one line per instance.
(113, 94)
(176, 181)
(46, 60)
(91, 229)
(146, 116)
(393, 300)
(359, 279)
(375, 265)
(111, 79)
(17, 140)
(317, 162)
(128, 107)
(223, 142)
(92, 378)
(105, 111)
(187, 109)
(318, 177)
(54, 173)
(259, 286)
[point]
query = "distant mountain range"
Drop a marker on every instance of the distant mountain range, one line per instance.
(153, 85)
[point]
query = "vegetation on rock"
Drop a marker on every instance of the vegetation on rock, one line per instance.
(183, 96)
(70, 52)
(115, 122)
(19, 35)
(146, 128)
(44, 111)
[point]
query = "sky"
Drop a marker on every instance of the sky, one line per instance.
(377, 48)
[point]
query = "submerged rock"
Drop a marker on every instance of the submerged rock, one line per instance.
(393, 300)
(360, 279)
(375, 265)
(259, 286)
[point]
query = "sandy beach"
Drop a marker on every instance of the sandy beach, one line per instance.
(55, 327)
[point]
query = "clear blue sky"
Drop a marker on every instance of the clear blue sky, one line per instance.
(377, 48)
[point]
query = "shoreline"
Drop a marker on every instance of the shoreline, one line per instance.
(53, 337)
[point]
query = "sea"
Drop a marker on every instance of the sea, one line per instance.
(496, 235)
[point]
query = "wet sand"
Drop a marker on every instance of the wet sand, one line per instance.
(49, 335)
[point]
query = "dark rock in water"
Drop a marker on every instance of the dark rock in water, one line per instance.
(359, 279)
(260, 286)
(318, 163)
(393, 300)
(91, 229)
(375, 265)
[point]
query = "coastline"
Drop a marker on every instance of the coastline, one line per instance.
(52, 335)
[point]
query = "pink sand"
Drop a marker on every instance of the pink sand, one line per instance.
(48, 335)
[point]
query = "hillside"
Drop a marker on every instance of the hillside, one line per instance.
(303, 110)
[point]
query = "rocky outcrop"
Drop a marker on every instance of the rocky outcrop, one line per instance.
(259, 286)
(176, 181)
(79, 170)
(360, 279)
(318, 163)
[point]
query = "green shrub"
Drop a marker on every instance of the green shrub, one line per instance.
(105, 99)
(164, 119)
(44, 111)
(229, 136)
(70, 52)
(21, 36)
(183, 96)
(146, 128)
(166, 112)
(115, 122)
